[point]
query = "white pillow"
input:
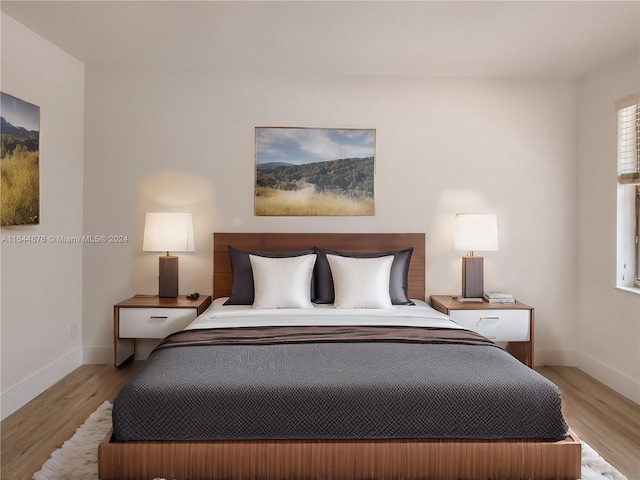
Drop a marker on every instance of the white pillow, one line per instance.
(282, 282)
(361, 282)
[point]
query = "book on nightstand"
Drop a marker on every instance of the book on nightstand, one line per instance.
(499, 297)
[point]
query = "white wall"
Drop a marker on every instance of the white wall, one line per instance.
(185, 141)
(608, 320)
(41, 295)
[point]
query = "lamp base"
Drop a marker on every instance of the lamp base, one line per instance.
(470, 300)
(168, 278)
(472, 277)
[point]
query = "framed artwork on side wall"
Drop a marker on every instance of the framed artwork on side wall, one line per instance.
(314, 171)
(19, 162)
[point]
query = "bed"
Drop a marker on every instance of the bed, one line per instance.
(373, 398)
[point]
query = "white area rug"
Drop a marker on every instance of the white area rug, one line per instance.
(77, 459)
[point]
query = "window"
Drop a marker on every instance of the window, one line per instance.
(628, 271)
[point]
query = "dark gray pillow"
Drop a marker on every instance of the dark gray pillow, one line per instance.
(242, 291)
(398, 282)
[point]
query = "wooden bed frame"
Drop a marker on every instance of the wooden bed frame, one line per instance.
(343, 459)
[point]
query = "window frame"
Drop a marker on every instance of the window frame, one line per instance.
(628, 197)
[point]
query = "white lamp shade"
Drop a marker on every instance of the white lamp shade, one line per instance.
(168, 231)
(476, 232)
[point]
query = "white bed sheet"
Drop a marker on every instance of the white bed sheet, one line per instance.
(238, 316)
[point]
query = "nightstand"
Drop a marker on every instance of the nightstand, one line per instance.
(511, 322)
(149, 316)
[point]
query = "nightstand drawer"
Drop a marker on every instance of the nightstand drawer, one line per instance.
(154, 322)
(500, 325)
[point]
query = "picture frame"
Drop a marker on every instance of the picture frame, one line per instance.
(19, 162)
(302, 171)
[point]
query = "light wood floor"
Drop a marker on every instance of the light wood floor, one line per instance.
(30, 435)
(601, 417)
(607, 421)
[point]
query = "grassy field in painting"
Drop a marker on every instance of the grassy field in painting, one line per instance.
(329, 188)
(19, 188)
(307, 202)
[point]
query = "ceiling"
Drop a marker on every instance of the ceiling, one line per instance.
(517, 39)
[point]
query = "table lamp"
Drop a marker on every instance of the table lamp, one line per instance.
(165, 232)
(474, 232)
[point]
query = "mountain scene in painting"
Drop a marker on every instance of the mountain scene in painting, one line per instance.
(303, 172)
(19, 162)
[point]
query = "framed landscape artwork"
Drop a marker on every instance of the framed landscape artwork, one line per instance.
(19, 162)
(314, 171)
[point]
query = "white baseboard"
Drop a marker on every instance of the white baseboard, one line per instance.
(18, 396)
(618, 381)
(557, 358)
(97, 355)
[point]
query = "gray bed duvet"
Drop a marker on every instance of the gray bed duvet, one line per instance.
(390, 385)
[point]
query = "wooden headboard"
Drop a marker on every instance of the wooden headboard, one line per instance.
(344, 242)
